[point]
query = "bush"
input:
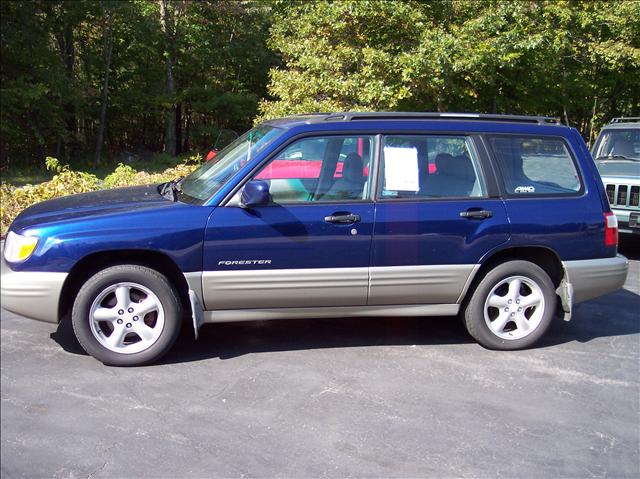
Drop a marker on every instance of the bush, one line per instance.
(13, 200)
(123, 175)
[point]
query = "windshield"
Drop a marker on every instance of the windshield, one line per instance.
(200, 185)
(622, 142)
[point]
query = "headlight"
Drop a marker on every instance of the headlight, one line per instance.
(18, 248)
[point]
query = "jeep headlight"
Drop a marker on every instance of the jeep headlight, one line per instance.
(18, 248)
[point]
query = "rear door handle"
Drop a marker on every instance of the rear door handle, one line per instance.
(476, 214)
(342, 219)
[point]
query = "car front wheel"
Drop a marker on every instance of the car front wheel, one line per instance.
(127, 315)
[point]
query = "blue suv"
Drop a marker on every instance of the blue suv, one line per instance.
(500, 219)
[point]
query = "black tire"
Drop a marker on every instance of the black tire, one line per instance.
(501, 277)
(128, 275)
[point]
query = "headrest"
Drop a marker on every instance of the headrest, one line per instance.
(352, 168)
(450, 165)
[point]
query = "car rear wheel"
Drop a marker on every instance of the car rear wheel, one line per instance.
(511, 307)
(127, 315)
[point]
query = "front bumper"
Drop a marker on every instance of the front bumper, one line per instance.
(591, 278)
(628, 220)
(32, 294)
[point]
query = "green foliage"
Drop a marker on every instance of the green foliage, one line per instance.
(52, 70)
(342, 55)
(122, 176)
(537, 57)
(125, 175)
(234, 59)
(13, 200)
(52, 164)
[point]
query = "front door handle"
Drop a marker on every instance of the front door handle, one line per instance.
(342, 218)
(476, 214)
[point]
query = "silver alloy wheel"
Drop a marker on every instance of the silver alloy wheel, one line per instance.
(514, 308)
(126, 318)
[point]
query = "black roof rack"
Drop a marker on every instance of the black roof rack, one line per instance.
(630, 119)
(372, 116)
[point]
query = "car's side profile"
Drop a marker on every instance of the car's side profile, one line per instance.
(501, 219)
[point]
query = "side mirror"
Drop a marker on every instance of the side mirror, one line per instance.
(255, 193)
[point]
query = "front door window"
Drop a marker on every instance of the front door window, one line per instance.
(320, 169)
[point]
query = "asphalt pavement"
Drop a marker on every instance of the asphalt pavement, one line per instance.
(387, 397)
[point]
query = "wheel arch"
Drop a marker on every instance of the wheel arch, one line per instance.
(94, 262)
(544, 257)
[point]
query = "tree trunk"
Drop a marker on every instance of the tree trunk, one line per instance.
(178, 128)
(67, 54)
(564, 88)
(187, 127)
(613, 100)
(593, 118)
(170, 115)
(107, 40)
(144, 131)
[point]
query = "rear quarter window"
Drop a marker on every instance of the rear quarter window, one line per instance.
(536, 166)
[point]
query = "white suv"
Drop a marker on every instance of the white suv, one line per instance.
(617, 155)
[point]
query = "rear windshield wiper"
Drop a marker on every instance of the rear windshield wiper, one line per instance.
(170, 189)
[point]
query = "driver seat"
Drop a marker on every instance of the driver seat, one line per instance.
(350, 186)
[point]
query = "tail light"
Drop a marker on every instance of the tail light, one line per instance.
(610, 229)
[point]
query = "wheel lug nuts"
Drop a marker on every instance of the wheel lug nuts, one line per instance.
(510, 301)
(517, 301)
(128, 325)
(135, 318)
(519, 309)
(130, 310)
(506, 309)
(513, 314)
(119, 321)
(121, 311)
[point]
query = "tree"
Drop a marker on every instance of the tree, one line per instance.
(92, 79)
(530, 57)
(107, 40)
(169, 16)
(85, 79)
(342, 55)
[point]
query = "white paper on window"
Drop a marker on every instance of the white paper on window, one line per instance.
(401, 169)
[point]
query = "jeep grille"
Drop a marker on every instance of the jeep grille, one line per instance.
(623, 195)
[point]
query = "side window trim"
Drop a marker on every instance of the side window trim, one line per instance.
(501, 184)
(489, 169)
(376, 167)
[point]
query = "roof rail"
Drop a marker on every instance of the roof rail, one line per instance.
(372, 116)
(629, 119)
(312, 113)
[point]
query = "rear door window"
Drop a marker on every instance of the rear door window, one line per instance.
(429, 167)
(536, 166)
